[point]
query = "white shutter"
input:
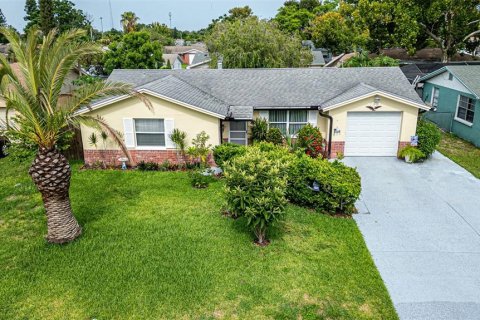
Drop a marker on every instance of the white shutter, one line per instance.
(169, 125)
(128, 134)
(312, 117)
(264, 114)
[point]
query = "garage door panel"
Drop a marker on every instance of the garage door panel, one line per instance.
(372, 133)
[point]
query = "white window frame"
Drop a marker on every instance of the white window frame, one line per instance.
(435, 89)
(464, 121)
(288, 123)
(149, 147)
(237, 131)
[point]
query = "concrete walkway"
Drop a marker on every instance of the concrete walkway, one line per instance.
(421, 223)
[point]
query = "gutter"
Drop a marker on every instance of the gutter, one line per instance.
(330, 128)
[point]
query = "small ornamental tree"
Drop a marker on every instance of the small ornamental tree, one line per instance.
(255, 187)
(310, 139)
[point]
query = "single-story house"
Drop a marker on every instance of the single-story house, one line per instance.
(454, 94)
(174, 59)
(360, 111)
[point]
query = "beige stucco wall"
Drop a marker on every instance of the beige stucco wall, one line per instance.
(185, 119)
(408, 124)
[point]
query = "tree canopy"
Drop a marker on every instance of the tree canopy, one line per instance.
(255, 43)
(47, 14)
(134, 50)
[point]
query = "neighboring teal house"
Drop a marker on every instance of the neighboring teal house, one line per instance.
(454, 93)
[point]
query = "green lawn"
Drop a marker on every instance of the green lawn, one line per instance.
(155, 248)
(462, 152)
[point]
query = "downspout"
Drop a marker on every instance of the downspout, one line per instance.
(330, 128)
(221, 131)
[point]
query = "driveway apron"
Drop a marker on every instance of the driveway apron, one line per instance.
(421, 223)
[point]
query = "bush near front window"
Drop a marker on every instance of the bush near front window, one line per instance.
(339, 185)
(274, 135)
(255, 187)
(310, 139)
(226, 152)
(429, 136)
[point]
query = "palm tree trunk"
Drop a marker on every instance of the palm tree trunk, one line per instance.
(51, 174)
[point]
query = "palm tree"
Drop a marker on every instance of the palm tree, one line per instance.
(129, 21)
(41, 118)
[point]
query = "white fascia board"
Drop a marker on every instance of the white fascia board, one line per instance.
(154, 94)
(380, 93)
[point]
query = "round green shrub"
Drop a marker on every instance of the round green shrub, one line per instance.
(227, 151)
(429, 136)
(274, 135)
(339, 185)
(255, 188)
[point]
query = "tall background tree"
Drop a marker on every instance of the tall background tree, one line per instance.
(3, 23)
(32, 14)
(134, 50)
(47, 20)
(447, 23)
(43, 119)
(64, 15)
(129, 21)
(254, 43)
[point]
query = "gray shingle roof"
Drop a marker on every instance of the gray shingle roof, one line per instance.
(469, 75)
(273, 88)
(241, 112)
(180, 90)
(200, 58)
(356, 91)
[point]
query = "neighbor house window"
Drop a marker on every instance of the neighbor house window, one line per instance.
(150, 132)
(466, 109)
(290, 121)
(435, 95)
(238, 132)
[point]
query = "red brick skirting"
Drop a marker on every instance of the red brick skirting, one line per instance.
(338, 147)
(110, 157)
(403, 144)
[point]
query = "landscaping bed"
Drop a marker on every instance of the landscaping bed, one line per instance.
(155, 248)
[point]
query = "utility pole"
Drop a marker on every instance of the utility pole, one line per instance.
(101, 24)
(111, 14)
(170, 18)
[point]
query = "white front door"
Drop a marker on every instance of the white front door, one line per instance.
(372, 134)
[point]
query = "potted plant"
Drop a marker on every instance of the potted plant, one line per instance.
(411, 154)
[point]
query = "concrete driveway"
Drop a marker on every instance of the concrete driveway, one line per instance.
(421, 223)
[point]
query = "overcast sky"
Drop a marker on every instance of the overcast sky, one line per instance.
(186, 15)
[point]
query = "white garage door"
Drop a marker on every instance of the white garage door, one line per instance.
(372, 133)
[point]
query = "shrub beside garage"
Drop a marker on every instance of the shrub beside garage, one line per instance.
(260, 182)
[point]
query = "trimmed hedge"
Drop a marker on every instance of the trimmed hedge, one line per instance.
(340, 185)
(429, 136)
(226, 152)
